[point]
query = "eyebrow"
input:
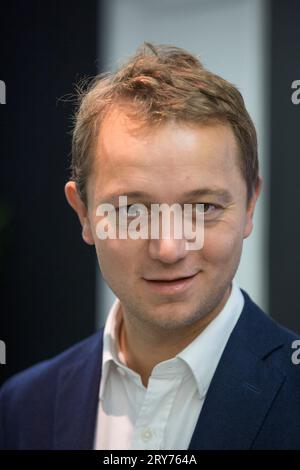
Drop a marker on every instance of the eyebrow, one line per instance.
(221, 194)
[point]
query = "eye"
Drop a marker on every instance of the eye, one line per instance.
(125, 209)
(132, 210)
(207, 208)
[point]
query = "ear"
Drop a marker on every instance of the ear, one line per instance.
(80, 208)
(250, 208)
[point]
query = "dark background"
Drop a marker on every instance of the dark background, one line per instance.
(47, 273)
(284, 269)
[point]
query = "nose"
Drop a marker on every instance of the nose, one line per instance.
(167, 250)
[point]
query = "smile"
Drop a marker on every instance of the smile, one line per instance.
(171, 287)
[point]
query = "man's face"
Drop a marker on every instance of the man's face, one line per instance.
(168, 163)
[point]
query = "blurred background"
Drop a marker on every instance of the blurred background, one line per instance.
(52, 293)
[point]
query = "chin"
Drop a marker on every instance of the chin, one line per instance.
(174, 317)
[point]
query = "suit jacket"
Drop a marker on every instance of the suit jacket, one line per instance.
(253, 401)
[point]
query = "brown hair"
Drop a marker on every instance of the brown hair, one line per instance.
(160, 83)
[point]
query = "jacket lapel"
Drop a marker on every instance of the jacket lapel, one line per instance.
(243, 387)
(77, 399)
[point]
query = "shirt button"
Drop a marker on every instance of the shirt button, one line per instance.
(146, 435)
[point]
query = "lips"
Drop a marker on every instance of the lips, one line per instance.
(173, 279)
(170, 287)
(169, 280)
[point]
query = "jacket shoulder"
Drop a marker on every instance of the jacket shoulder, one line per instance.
(45, 370)
(27, 399)
(268, 339)
(270, 325)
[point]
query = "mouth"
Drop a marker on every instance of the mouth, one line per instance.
(170, 286)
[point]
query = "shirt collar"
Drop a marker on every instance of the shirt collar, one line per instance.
(209, 344)
(111, 350)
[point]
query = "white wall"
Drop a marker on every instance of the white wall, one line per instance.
(229, 36)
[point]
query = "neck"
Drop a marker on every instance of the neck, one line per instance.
(143, 348)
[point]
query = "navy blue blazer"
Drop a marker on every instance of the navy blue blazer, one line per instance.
(253, 401)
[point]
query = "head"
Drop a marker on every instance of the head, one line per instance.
(168, 129)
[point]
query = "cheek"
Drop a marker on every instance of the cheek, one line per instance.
(116, 260)
(222, 245)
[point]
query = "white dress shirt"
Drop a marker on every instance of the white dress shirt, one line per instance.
(164, 414)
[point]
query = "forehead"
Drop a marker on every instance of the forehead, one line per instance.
(176, 153)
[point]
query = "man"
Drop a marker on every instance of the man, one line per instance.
(186, 359)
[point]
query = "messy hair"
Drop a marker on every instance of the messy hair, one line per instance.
(158, 84)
